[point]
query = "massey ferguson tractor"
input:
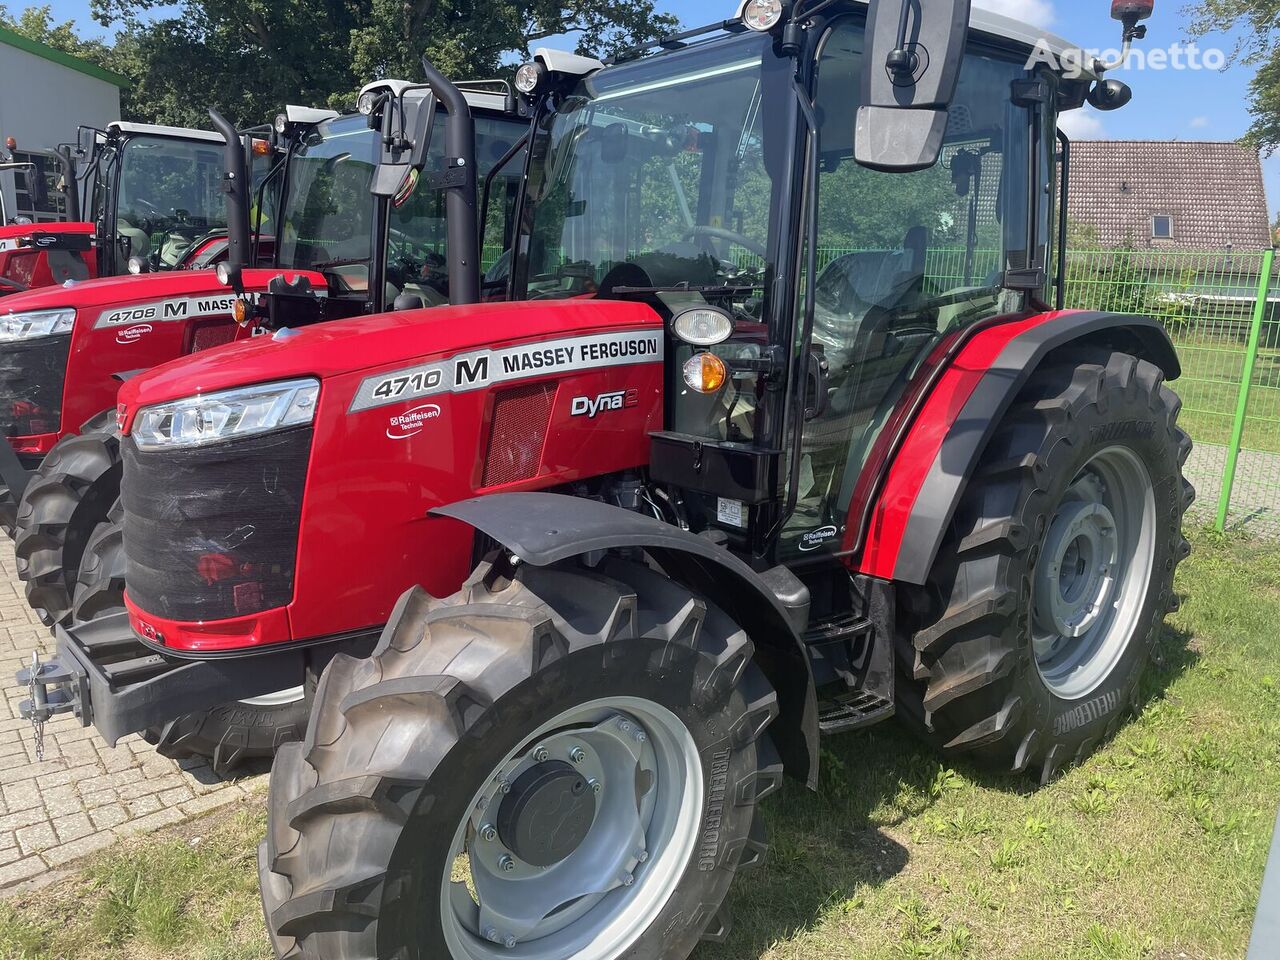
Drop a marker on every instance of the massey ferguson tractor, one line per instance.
(334, 236)
(153, 194)
(784, 431)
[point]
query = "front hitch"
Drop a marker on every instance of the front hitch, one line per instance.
(107, 677)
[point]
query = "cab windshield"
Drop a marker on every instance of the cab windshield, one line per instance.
(328, 220)
(170, 196)
(653, 175)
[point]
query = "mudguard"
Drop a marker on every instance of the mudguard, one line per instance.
(937, 457)
(547, 528)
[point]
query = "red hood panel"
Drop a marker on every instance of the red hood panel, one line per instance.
(18, 230)
(347, 346)
(114, 291)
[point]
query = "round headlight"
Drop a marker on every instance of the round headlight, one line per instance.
(281, 123)
(762, 15)
(705, 373)
(368, 100)
(137, 265)
(223, 273)
(529, 78)
(702, 326)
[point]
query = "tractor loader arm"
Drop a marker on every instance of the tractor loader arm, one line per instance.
(546, 528)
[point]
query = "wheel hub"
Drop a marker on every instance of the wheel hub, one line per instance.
(1094, 572)
(548, 813)
(1076, 574)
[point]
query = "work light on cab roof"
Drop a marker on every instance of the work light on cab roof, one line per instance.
(761, 15)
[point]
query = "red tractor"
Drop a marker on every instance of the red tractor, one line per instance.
(790, 433)
(154, 196)
(334, 236)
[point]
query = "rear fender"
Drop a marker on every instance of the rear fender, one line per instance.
(548, 528)
(939, 453)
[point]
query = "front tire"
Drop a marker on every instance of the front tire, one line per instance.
(228, 735)
(403, 768)
(1027, 646)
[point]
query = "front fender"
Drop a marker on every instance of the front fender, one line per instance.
(548, 528)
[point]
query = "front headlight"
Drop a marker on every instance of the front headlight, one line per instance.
(42, 323)
(228, 415)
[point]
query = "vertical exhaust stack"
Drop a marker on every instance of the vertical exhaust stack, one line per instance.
(460, 185)
(236, 180)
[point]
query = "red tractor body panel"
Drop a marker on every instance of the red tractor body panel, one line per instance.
(28, 264)
(130, 323)
(417, 410)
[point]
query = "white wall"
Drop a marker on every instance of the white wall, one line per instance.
(42, 103)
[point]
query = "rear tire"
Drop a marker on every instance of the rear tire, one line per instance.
(366, 816)
(70, 495)
(8, 511)
(227, 735)
(1027, 647)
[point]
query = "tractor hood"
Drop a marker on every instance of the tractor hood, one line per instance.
(20, 231)
(146, 288)
(348, 346)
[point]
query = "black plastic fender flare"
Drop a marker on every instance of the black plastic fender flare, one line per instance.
(547, 528)
(968, 435)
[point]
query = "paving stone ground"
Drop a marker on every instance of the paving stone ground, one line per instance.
(84, 795)
(1255, 497)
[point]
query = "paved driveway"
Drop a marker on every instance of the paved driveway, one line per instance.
(84, 795)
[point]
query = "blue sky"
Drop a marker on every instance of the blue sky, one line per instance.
(1167, 104)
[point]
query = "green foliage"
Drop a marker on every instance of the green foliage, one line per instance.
(1259, 26)
(250, 57)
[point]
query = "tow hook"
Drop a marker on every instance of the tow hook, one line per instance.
(54, 690)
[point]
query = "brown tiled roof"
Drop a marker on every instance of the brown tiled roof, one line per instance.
(1213, 191)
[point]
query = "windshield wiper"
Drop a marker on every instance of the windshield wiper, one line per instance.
(715, 290)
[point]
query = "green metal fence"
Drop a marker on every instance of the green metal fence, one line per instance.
(1222, 310)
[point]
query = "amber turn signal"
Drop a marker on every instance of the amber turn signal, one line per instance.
(705, 372)
(261, 148)
(242, 311)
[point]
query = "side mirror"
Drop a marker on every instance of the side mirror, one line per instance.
(911, 67)
(407, 126)
(1110, 95)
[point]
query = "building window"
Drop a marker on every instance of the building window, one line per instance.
(1162, 227)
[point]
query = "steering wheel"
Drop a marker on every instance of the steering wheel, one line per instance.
(720, 233)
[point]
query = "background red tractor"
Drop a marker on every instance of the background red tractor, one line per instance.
(334, 237)
(790, 434)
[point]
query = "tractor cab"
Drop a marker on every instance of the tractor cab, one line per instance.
(378, 251)
(803, 290)
(154, 194)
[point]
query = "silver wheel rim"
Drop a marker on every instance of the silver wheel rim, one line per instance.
(280, 699)
(646, 776)
(1090, 583)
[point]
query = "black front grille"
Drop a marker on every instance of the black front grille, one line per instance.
(32, 373)
(211, 532)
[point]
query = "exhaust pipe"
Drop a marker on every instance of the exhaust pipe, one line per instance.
(460, 201)
(236, 179)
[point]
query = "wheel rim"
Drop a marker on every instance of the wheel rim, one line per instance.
(281, 698)
(1090, 583)
(627, 847)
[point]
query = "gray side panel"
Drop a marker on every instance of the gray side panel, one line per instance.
(546, 528)
(1266, 929)
(995, 393)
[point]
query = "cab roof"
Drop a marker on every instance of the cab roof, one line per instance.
(156, 130)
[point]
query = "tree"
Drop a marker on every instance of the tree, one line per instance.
(1259, 46)
(250, 57)
(36, 23)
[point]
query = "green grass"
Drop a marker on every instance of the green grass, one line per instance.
(1152, 850)
(1210, 391)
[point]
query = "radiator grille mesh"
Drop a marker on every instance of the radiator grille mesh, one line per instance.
(520, 419)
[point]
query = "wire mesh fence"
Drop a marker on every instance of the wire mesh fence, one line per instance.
(1222, 311)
